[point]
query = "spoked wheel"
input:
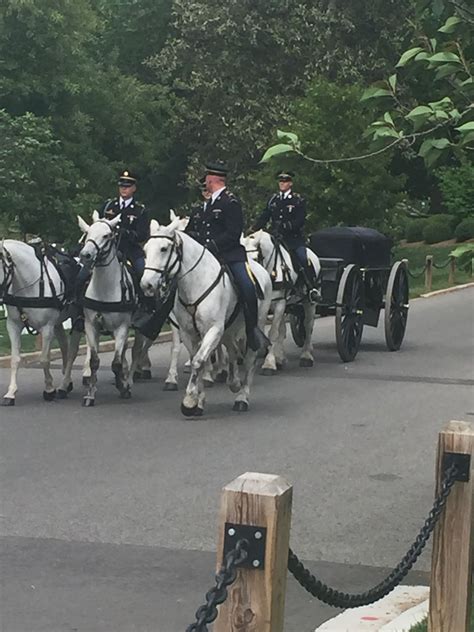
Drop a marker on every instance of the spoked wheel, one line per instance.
(297, 327)
(396, 306)
(349, 313)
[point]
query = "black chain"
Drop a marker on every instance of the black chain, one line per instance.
(440, 266)
(416, 275)
(344, 600)
(218, 594)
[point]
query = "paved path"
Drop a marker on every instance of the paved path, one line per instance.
(108, 515)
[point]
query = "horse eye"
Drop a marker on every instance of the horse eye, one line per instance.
(164, 248)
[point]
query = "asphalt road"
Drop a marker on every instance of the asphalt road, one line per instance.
(108, 515)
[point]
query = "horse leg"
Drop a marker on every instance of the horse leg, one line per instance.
(193, 401)
(14, 333)
(221, 368)
(47, 334)
(280, 345)
(171, 382)
(269, 366)
(139, 354)
(119, 363)
(145, 363)
(73, 348)
(233, 376)
(307, 358)
(62, 341)
(92, 335)
(241, 403)
(86, 369)
(208, 378)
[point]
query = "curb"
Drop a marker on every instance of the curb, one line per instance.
(447, 290)
(34, 356)
(397, 612)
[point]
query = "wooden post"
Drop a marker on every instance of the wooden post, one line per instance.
(256, 599)
(429, 272)
(452, 271)
(453, 542)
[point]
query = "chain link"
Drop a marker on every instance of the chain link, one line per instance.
(344, 600)
(207, 613)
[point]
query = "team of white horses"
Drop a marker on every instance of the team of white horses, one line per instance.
(206, 312)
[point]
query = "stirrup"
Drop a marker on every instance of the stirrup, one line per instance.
(314, 295)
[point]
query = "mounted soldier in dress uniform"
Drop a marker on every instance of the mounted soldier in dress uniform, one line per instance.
(287, 212)
(134, 223)
(134, 227)
(218, 225)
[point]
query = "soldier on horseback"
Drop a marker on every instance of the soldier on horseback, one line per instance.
(134, 227)
(287, 212)
(218, 225)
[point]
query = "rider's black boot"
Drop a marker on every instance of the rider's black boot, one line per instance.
(256, 339)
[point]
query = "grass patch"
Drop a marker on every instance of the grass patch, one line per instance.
(416, 260)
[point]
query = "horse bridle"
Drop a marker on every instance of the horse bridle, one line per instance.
(8, 267)
(175, 248)
(102, 255)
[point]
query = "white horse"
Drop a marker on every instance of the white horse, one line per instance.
(109, 302)
(34, 295)
(277, 262)
(206, 309)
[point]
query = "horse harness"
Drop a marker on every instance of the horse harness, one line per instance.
(166, 272)
(123, 305)
(21, 302)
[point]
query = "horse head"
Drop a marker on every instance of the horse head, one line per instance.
(253, 244)
(162, 255)
(100, 238)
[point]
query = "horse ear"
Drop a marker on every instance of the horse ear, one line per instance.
(84, 226)
(115, 221)
(172, 215)
(95, 216)
(154, 226)
(183, 222)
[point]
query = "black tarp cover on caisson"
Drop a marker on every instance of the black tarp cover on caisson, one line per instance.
(354, 244)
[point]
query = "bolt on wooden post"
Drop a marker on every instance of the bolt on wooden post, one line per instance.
(453, 541)
(429, 272)
(256, 599)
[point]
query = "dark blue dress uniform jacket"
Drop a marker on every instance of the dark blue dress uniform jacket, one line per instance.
(134, 225)
(219, 226)
(287, 217)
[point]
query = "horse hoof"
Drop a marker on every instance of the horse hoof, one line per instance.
(268, 372)
(188, 412)
(138, 375)
(69, 387)
(221, 377)
(208, 383)
(62, 394)
(306, 362)
(8, 401)
(170, 386)
(198, 412)
(126, 394)
(49, 397)
(86, 381)
(279, 366)
(88, 402)
(146, 374)
(240, 407)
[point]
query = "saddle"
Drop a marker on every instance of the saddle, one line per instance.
(65, 264)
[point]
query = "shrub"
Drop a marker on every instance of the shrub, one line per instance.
(437, 229)
(457, 188)
(414, 229)
(465, 230)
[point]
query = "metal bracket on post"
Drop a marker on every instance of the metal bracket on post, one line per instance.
(255, 536)
(461, 461)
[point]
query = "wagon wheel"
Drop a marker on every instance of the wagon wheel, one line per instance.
(297, 327)
(349, 313)
(396, 306)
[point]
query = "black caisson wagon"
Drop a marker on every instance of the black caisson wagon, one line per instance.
(358, 280)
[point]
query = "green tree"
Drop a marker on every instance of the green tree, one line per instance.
(35, 179)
